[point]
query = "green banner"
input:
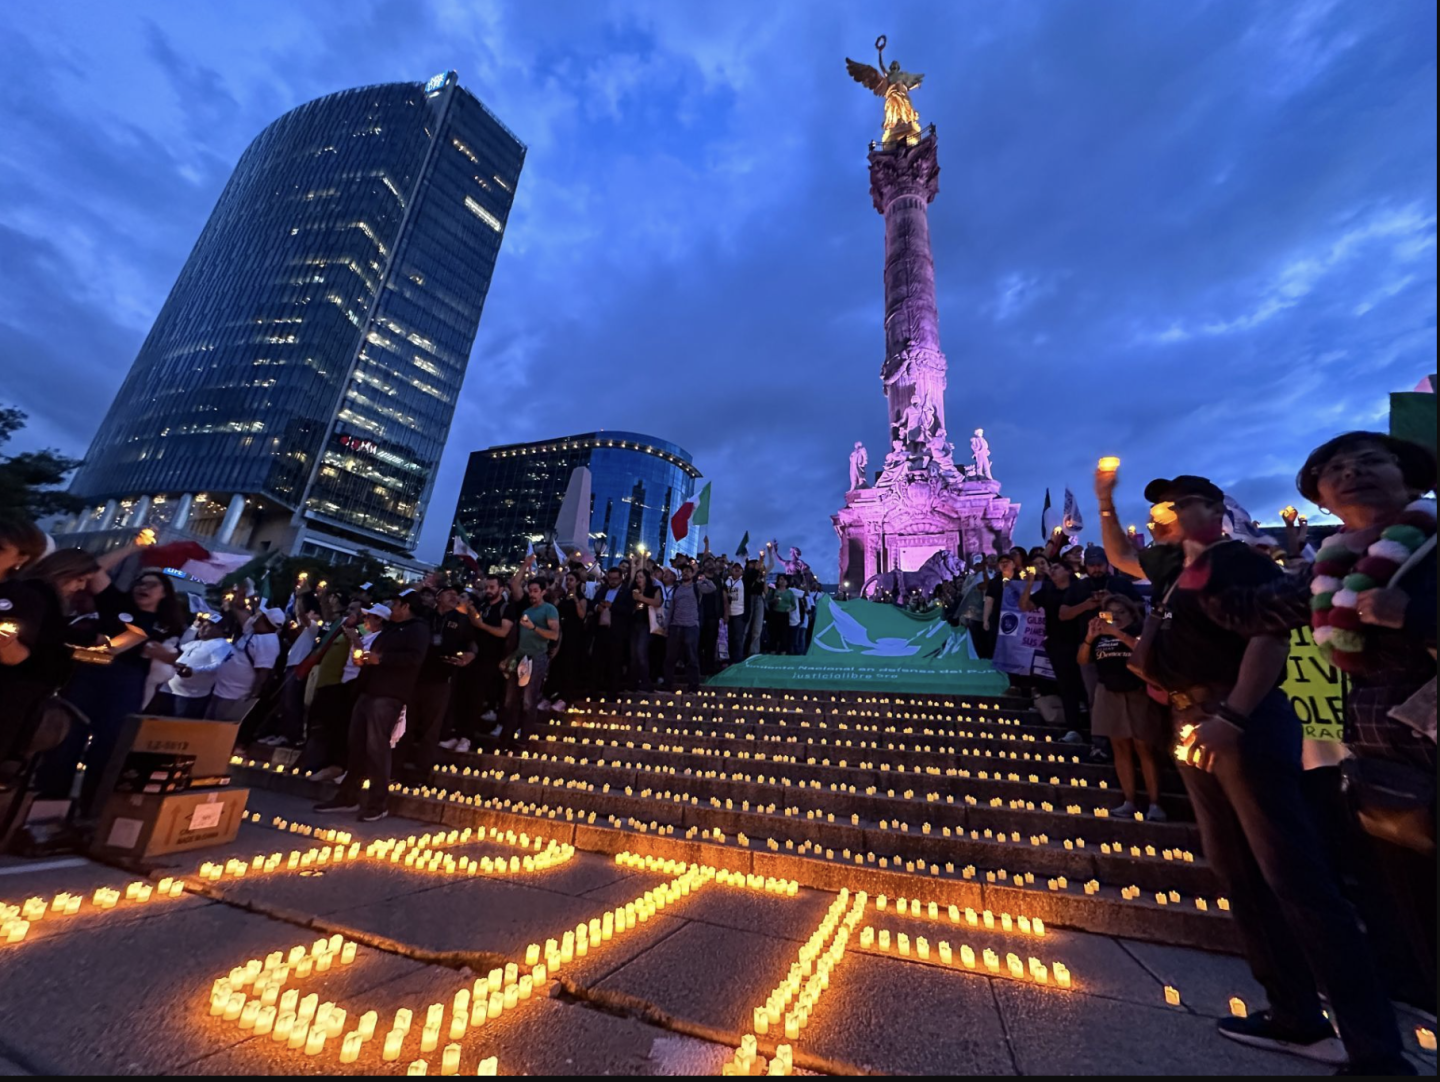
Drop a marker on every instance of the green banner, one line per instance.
(866, 646)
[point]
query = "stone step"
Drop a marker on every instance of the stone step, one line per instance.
(1104, 912)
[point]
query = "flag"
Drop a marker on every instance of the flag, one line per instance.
(1072, 522)
(1046, 526)
(742, 552)
(1238, 524)
(460, 548)
(697, 508)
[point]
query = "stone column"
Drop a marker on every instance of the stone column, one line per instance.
(233, 512)
(903, 181)
(107, 517)
(139, 514)
(181, 518)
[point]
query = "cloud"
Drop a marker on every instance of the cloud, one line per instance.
(1197, 236)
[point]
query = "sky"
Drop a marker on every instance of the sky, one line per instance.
(1198, 236)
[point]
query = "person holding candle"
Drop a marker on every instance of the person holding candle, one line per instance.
(242, 676)
(1373, 483)
(388, 671)
(1241, 767)
(539, 627)
(196, 668)
(1124, 712)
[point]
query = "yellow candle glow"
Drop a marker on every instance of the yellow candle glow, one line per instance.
(394, 1040)
(1238, 1008)
(1426, 1037)
(450, 1059)
(488, 1066)
(1172, 996)
(419, 1067)
(1109, 464)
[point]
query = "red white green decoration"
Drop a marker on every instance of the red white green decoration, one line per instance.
(693, 512)
(1342, 575)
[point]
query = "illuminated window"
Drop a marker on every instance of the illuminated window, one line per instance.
(483, 214)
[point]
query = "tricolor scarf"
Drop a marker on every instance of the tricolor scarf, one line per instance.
(1342, 575)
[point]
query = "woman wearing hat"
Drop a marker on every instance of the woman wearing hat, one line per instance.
(1370, 598)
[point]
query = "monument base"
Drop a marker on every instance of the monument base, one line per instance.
(919, 530)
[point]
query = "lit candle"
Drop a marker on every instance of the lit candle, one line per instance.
(393, 1042)
(488, 1066)
(450, 1059)
(264, 1020)
(1109, 464)
(1426, 1037)
(284, 1025)
(1172, 996)
(315, 1041)
(350, 1049)
(1237, 1007)
(419, 1067)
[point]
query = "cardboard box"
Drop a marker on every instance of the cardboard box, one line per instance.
(209, 744)
(150, 825)
(147, 772)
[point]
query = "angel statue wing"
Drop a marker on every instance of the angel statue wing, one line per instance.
(866, 76)
(908, 79)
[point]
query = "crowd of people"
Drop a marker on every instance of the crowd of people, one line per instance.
(1171, 650)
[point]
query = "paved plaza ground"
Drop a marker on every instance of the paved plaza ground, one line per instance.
(127, 991)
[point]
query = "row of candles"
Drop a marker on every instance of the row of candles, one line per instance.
(766, 884)
(583, 716)
(1059, 884)
(16, 920)
(706, 730)
(987, 959)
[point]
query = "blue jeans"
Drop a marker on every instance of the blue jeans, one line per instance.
(797, 639)
(186, 706)
(1297, 929)
(686, 641)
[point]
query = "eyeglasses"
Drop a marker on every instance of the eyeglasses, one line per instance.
(1340, 466)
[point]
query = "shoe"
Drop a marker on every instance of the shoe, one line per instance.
(489, 715)
(1124, 811)
(449, 745)
(462, 746)
(1156, 814)
(336, 805)
(271, 741)
(1072, 737)
(543, 705)
(559, 706)
(328, 773)
(1317, 1042)
(374, 816)
(497, 731)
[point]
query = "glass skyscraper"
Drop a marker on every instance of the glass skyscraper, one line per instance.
(512, 495)
(297, 388)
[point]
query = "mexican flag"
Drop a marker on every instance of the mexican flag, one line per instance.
(693, 512)
(460, 548)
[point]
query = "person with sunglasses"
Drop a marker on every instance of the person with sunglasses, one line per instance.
(1240, 762)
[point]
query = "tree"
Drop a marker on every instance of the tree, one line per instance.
(27, 480)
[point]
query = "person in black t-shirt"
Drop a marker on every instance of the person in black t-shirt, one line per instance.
(1123, 711)
(1063, 635)
(492, 618)
(610, 615)
(452, 648)
(1241, 767)
(1005, 570)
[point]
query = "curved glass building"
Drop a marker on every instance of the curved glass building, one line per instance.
(297, 388)
(512, 495)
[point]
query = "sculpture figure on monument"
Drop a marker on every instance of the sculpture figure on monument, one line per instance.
(980, 448)
(859, 464)
(894, 464)
(894, 85)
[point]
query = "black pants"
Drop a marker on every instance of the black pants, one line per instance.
(371, 724)
(1299, 933)
(328, 743)
(737, 638)
(682, 643)
(709, 643)
(425, 723)
(777, 632)
(1072, 683)
(608, 658)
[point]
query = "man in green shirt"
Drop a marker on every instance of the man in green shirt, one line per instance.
(539, 627)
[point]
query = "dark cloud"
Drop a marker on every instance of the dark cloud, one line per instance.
(1197, 236)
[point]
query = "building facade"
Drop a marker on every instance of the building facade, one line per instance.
(512, 494)
(297, 388)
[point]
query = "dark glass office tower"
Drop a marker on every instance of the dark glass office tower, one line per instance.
(297, 388)
(512, 494)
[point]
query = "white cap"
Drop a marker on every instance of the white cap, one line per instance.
(275, 616)
(382, 611)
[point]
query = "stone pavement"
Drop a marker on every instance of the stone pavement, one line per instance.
(127, 991)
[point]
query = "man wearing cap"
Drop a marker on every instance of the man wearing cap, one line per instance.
(452, 647)
(1241, 767)
(388, 671)
(1159, 562)
(242, 675)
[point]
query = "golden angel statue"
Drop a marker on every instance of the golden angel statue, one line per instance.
(894, 85)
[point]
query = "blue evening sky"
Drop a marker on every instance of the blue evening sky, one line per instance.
(1199, 235)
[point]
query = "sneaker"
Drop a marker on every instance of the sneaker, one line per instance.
(337, 805)
(328, 773)
(1072, 737)
(559, 706)
(374, 816)
(543, 705)
(462, 746)
(489, 715)
(1124, 811)
(449, 745)
(1156, 814)
(497, 731)
(1317, 1042)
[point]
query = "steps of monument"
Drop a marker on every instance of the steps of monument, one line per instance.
(1004, 838)
(871, 775)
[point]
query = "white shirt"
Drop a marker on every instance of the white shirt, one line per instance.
(795, 616)
(301, 647)
(351, 670)
(253, 654)
(735, 597)
(204, 657)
